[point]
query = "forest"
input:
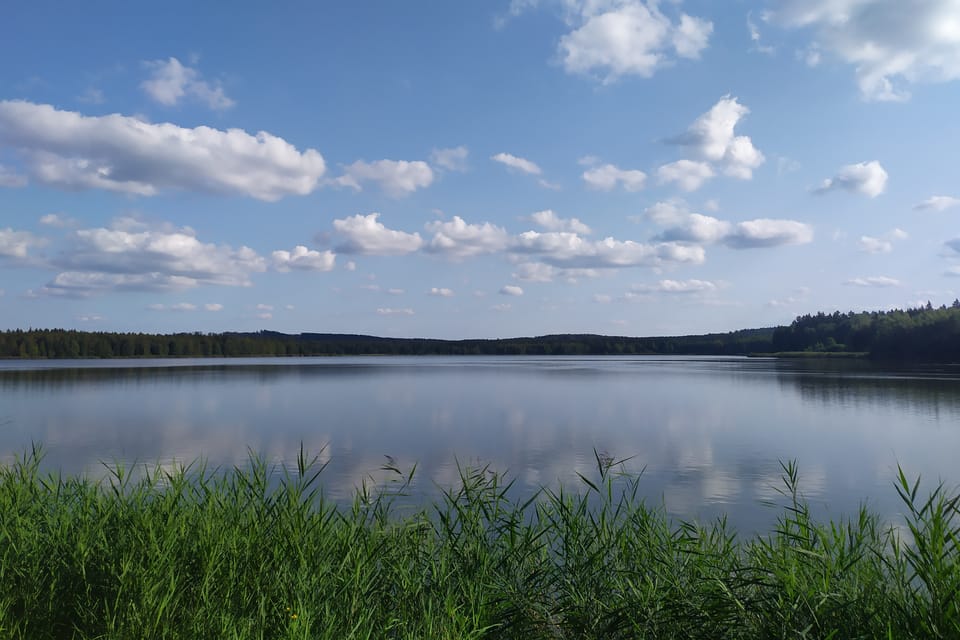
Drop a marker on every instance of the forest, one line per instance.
(924, 333)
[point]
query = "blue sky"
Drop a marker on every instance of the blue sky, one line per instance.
(484, 169)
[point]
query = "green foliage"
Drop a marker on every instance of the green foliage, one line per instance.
(59, 343)
(925, 333)
(197, 553)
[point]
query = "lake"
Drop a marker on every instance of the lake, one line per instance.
(707, 433)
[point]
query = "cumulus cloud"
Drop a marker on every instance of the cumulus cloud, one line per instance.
(677, 286)
(873, 281)
(687, 174)
(452, 159)
(457, 239)
(766, 232)
(440, 292)
(629, 37)
(389, 311)
(695, 227)
(712, 138)
(365, 235)
(68, 150)
(213, 307)
(540, 272)
(303, 259)
(883, 244)
(937, 203)
(565, 249)
(606, 178)
(11, 179)
(866, 178)
(550, 221)
(131, 256)
(76, 284)
(688, 227)
(511, 290)
(891, 43)
(396, 178)
(16, 244)
(170, 82)
(56, 220)
(520, 164)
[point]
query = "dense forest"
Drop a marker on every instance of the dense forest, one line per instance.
(59, 343)
(924, 333)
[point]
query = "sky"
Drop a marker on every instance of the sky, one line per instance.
(476, 169)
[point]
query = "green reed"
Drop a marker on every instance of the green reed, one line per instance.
(200, 553)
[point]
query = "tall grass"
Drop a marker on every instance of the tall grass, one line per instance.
(199, 553)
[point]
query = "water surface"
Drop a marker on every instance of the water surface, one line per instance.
(708, 433)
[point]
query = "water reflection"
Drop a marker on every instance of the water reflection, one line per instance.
(707, 432)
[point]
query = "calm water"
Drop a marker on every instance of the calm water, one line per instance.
(708, 432)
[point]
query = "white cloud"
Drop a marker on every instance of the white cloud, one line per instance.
(535, 272)
(866, 178)
(765, 232)
(350, 265)
(131, 256)
(57, 220)
(117, 153)
(550, 221)
(712, 138)
(90, 318)
(687, 174)
(629, 37)
(457, 239)
(873, 281)
(213, 307)
(265, 316)
(397, 178)
(511, 290)
(16, 244)
(10, 179)
(396, 292)
(540, 272)
(937, 203)
(870, 244)
(891, 43)
(514, 162)
(602, 298)
(685, 226)
(77, 284)
(452, 159)
(606, 178)
(171, 81)
(264, 307)
(388, 311)
(697, 228)
(666, 212)
(440, 292)
(884, 244)
(564, 249)
(506, 306)
(365, 235)
(677, 286)
(303, 259)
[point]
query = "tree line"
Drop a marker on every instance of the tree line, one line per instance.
(61, 343)
(923, 333)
